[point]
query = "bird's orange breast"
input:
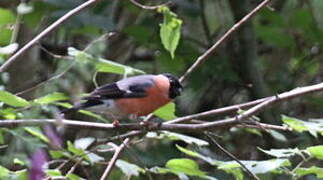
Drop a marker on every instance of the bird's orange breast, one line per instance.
(157, 96)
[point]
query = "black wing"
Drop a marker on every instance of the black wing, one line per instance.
(112, 91)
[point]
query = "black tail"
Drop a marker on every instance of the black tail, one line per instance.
(69, 110)
(88, 103)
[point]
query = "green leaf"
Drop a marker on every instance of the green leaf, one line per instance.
(316, 151)
(4, 172)
(294, 123)
(35, 131)
(128, 169)
(24, 8)
(50, 98)
(72, 176)
(53, 173)
(313, 126)
(257, 167)
(77, 151)
(59, 154)
(312, 170)
(277, 135)
(170, 30)
(73, 149)
(281, 153)
(177, 136)
(94, 158)
(196, 155)
(166, 112)
(18, 161)
(21, 175)
(8, 113)
(12, 100)
(103, 65)
(84, 143)
(186, 166)
(1, 137)
(7, 18)
(9, 49)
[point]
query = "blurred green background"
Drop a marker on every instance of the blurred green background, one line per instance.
(279, 49)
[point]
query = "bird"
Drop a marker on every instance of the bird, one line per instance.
(131, 97)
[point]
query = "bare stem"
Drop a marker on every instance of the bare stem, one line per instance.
(223, 38)
(113, 160)
(45, 32)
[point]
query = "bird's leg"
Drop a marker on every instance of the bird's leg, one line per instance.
(115, 121)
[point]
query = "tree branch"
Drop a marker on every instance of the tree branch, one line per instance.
(251, 174)
(113, 160)
(149, 7)
(168, 126)
(223, 38)
(45, 32)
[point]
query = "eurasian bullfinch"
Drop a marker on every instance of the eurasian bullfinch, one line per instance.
(131, 97)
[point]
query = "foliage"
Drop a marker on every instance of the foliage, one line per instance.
(116, 39)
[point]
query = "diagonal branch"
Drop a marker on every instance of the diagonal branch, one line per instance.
(114, 159)
(201, 59)
(168, 126)
(45, 32)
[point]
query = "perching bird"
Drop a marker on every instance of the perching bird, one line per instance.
(131, 97)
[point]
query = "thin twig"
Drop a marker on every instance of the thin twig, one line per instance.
(113, 160)
(149, 7)
(218, 111)
(211, 50)
(251, 174)
(167, 126)
(264, 126)
(45, 32)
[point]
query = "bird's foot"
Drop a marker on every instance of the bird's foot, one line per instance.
(116, 123)
(145, 123)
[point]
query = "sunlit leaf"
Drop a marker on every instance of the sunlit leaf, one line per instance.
(103, 65)
(24, 8)
(128, 169)
(4, 172)
(7, 18)
(294, 123)
(277, 135)
(313, 126)
(35, 131)
(50, 98)
(18, 161)
(196, 155)
(257, 167)
(53, 173)
(77, 151)
(170, 30)
(84, 143)
(58, 154)
(316, 151)
(281, 153)
(166, 112)
(186, 166)
(9, 49)
(21, 175)
(312, 170)
(72, 176)
(12, 100)
(177, 136)
(94, 158)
